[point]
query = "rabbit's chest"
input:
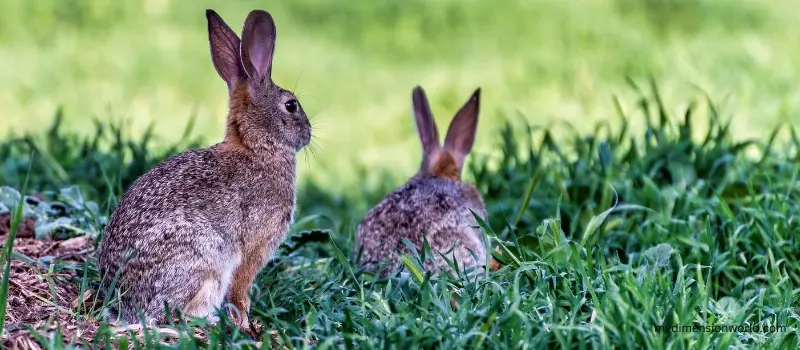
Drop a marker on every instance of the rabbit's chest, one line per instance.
(269, 220)
(266, 205)
(265, 226)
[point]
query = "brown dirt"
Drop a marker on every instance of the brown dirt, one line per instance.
(25, 230)
(31, 302)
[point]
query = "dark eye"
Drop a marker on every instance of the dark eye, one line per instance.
(291, 106)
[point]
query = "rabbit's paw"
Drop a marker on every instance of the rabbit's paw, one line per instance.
(238, 314)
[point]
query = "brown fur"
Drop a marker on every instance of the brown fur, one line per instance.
(446, 167)
(495, 265)
(202, 223)
(435, 203)
(239, 103)
(242, 280)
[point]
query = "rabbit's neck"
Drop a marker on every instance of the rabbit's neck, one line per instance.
(280, 162)
(263, 151)
(275, 159)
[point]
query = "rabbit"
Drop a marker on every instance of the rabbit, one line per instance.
(196, 229)
(434, 201)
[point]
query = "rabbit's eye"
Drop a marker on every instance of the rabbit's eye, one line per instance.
(291, 106)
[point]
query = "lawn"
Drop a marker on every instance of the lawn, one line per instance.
(605, 239)
(630, 212)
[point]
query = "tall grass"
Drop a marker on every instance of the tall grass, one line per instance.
(16, 218)
(606, 237)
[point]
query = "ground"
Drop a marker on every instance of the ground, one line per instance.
(625, 152)
(31, 300)
(630, 237)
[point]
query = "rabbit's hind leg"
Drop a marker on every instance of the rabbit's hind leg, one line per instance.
(210, 282)
(207, 298)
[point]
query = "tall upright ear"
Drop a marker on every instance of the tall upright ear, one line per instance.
(224, 44)
(426, 126)
(461, 133)
(258, 44)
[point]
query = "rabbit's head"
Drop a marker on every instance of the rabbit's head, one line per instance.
(262, 115)
(445, 161)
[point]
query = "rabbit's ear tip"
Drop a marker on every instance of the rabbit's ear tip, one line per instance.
(418, 91)
(476, 96)
(260, 14)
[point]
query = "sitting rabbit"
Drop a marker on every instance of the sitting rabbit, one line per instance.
(194, 230)
(434, 202)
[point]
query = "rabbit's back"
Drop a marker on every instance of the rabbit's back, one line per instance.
(437, 207)
(177, 192)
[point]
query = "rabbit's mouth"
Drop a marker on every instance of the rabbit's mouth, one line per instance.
(305, 139)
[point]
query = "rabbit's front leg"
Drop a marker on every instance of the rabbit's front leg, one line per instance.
(238, 296)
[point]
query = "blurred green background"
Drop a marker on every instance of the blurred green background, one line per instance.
(353, 64)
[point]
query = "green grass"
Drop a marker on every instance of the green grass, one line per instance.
(606, 235)
(619, 208)
(8, 248)
(355, 63)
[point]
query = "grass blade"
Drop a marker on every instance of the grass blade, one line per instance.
(16, 219)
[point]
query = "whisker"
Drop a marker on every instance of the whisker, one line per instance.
(297, 81)
(321, 109)
(303, 93)
(313, 149)
(316, 138)
(316, 125)
(308, 166)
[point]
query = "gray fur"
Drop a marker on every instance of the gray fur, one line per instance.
(434, 206)
(434, 202)
(195, 218)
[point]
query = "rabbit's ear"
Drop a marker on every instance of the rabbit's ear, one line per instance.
(461, 133)
(224, 45)
(426, 126)
(258, 44)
